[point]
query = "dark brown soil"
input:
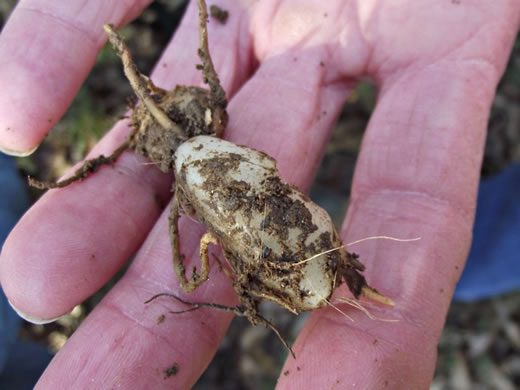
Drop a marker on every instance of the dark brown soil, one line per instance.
(218, 13)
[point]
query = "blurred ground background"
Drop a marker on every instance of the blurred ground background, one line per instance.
(480, 346)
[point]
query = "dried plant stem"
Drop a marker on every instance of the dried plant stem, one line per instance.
(82, 172)
(237, 310)
(196, 279)
(140, 84)
(210, 75)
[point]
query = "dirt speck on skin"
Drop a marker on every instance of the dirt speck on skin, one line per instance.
(160, 319)
(218, 13)
(171, 371)
(322, 114)
(286, 372)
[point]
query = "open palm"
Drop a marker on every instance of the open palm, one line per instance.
(288, 67)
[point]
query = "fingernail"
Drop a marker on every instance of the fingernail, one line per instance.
(32, 319)
(17, 153)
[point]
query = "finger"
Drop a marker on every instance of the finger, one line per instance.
(287, 110)
(46, 50)
(185, 339)
(416, 176)
(80, 235)
(136, 348)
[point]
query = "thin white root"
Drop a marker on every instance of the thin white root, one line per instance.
(317, 255)
(330, 303)
(359, 306)
(339, 310)
(355, 304)
(356, 242)
(383, 238)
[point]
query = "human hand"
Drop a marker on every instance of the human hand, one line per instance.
(436, 68)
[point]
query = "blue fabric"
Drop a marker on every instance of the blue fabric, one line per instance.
(13, 201)
(13, 196)
(493, 265)
(21, 364)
